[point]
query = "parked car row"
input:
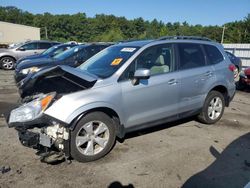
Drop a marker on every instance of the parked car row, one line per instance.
(9, 56)
(79, 110)
(71, 55)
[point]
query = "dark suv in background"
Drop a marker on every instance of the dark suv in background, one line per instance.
(51, 52)
(9, 56)
(72, 57)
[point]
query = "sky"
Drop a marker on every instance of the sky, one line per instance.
(204, 12)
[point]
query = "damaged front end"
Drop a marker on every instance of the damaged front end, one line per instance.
(60, 79)
(39, 131)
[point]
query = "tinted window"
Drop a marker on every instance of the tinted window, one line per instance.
(213, 54)
(44, 45)
(30, 46)
(158, 59)
(191, 56)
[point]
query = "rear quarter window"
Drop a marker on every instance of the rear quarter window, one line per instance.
(191, 56)
(214, 56)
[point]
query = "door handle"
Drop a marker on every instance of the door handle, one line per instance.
(208, 74)
(172, 82)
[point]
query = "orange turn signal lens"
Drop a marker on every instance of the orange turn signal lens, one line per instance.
(46, 101)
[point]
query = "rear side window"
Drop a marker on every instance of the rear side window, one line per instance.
(213, 54)
(44, 45)
(191, 56)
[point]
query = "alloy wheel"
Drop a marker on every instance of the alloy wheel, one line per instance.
(92, 138)
(7, 63)
(215, 108)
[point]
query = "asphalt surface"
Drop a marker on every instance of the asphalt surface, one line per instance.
(179, 154)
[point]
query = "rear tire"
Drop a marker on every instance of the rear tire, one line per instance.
(93, 137)
(213, 108)
(7, 63)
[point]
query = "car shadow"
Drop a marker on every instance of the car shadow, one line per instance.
(157, 128)
(231, 168)
(118, 184)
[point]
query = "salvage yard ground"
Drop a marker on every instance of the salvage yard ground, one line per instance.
(179, 154)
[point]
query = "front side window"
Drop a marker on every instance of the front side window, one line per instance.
(213, 54)
(158, 59)
(191, 56)
(108, 61)
(30, 46)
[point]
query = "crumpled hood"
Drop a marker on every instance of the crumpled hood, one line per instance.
(61, 79)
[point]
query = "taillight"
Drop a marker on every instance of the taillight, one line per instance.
(232, 67)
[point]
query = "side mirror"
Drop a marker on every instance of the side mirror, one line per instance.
(21, 49)
(140, 74)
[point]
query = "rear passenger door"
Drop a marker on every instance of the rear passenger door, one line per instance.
(157, 97)
(196, 77)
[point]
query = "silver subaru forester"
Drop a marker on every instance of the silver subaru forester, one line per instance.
(79, 112)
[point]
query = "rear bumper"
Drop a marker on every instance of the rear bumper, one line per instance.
(231, 94)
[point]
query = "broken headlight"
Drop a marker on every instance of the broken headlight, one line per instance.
(31, 110)
(30, 70)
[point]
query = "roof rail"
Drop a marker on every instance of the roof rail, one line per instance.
(183, 38)
(129, 40)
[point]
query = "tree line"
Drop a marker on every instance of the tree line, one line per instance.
(79, 27)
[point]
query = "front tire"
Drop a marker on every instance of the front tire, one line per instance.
(7, 63)
(213, 108)
(93, 137)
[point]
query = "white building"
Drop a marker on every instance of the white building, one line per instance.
(13, 33)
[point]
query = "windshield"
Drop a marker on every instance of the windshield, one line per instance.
(50, 50)
(68, 53)
(108, 61)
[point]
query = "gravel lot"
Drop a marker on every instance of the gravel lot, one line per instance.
(180, 154)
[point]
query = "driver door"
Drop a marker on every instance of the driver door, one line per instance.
(27, 50)
(157, 97)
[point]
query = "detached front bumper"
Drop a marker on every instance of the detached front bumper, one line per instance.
(43, 134)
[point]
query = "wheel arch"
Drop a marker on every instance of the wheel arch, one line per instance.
(223, 90)
(107, 110)
(8, 56)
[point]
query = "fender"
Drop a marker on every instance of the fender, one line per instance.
(90, 106)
